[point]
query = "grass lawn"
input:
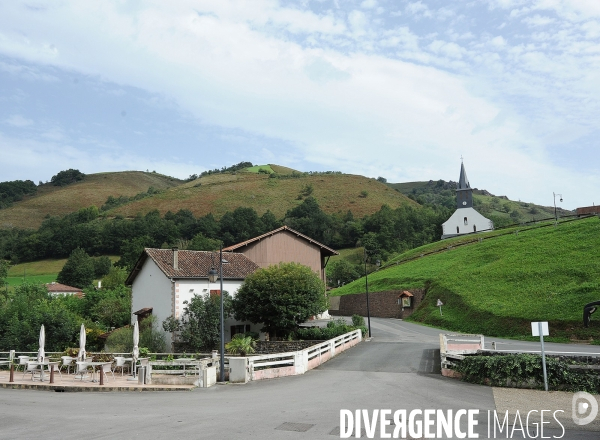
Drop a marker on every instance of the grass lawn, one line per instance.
(499, 285)
(35, 279)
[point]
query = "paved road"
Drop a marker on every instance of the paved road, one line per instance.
(397, 369)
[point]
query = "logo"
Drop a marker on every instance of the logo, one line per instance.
(584, 403)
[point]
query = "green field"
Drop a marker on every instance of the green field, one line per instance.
(499, 285)
(35, 279)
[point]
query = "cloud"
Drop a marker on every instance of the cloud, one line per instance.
(331, 87)
(18, 121)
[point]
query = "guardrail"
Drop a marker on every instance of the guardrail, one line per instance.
(292, 363)
(456, 346)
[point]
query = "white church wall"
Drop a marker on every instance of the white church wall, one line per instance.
(465, 221)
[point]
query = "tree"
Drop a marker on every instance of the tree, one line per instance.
(78, 271)
(102, 266)
(280, 297)
(3, 272)
(66, 177)
(382, 179)
(341, 272)
(116, 277)
(200, 323)
(202, 243)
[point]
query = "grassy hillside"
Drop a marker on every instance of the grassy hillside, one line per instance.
(93, 190)
(500, 208)
(219, 193)
(499, 285)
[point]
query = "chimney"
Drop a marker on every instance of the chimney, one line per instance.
(175, 258)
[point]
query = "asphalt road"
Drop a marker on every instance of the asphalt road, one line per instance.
(397, 369)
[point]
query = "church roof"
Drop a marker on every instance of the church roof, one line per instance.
(463, 182)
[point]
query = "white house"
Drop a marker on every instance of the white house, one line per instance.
(163, 279)
(465, 219)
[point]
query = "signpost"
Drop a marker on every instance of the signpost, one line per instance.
(541, 329)
(440, 304)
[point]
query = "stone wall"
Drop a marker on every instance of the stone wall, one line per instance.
(381, 304)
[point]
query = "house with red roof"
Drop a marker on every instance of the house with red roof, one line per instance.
(55, 288)
(163, 279)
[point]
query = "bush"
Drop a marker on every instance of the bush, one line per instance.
(66, 177)
(525, 370)
(241, 344)
(358, 321)
(333, 330)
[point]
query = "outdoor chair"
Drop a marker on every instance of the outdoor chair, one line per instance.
(67, 361)
(107, 368)
(32, 368)
(23, 362)
(81, 370)
(56, 368)
(120, 363)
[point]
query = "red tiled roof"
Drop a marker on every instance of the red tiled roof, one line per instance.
(406, 293)
(195, 264)
(324, 249)
(62, 288)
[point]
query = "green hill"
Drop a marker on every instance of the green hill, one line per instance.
(498, 208)
(51, 200)
(220, 193)
(501, 284)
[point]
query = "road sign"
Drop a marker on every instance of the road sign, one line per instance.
(541, 329)
(440, 303)
(535, 328)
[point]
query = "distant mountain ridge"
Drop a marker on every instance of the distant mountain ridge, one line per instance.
(264, 188)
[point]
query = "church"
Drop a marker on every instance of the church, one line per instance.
(465, 219)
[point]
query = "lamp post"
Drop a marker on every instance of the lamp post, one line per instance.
(555, 213)
(212, 277)
(367, 291)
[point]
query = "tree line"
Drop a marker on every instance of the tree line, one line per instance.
(384, 232)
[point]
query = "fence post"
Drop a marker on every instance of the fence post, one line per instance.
(11, 377)
(51, 372)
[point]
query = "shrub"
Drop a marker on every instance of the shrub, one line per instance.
(358, 321)
(525, 370)
(241, 344)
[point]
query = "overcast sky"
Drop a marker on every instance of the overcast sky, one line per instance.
(392, 88)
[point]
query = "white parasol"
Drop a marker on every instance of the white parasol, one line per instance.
(136, 341)
(41, 352)
(81, 354)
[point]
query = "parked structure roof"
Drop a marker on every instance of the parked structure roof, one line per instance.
(194, 264)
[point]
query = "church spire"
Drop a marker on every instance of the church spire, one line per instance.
(463, 182)
(464, 193)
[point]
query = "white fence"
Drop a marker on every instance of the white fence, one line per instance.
(269, 366)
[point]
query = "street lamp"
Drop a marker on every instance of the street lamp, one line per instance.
(212, 277)
(367, 291)
(555, 214)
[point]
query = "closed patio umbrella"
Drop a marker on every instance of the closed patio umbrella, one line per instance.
(81, 354)
(136, 341)
(41, 352)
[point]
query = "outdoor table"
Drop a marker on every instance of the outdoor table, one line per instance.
(93, 365)
(184, 361)
(42, 364)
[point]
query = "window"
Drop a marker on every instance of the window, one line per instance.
(466, 222)
(241, 328)
(474, 228)
(457, 230)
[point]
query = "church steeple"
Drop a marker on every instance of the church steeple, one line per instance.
(464, 193)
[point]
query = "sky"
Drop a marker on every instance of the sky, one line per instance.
(394, 88)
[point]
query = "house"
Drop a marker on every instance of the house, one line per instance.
(465, 219)
(285, 245)
(55, 288)
(162, 279)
